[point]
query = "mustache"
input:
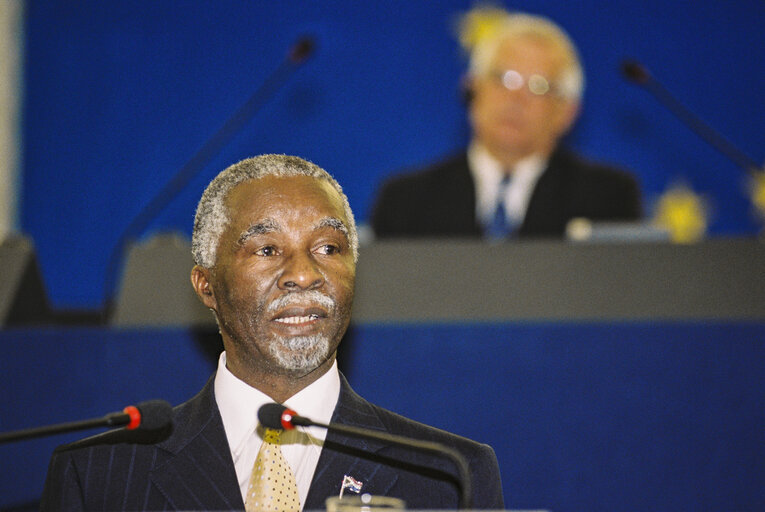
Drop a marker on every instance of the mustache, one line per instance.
(302, 298)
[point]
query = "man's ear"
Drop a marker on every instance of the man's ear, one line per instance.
(568, 114)
(200, 280)
(467, 90)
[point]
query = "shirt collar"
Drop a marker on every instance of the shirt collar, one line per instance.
(487, 172)
(239, 402)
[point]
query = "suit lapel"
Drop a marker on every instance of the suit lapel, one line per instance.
(345, 455)
(457, 202)
(194, 469)
(546, 211)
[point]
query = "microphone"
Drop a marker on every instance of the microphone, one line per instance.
(297, 55)
(638, 74)
(146, 416)
(635, 72)
(302, 49)
(279, 417)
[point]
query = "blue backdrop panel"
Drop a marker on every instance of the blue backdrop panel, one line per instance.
(582, 417)
(119, 96)
(54, 376)
(589, 417)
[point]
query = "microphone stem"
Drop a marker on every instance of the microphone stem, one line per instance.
(701, 129)
(112, 420)
(428, 446)
(197, 162)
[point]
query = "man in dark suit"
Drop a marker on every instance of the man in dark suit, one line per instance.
(275, 247)
(515, 179)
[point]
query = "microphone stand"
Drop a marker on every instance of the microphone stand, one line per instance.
(146, 416)
(116, 419)
(299, 52)
(428, 446)
(637, 73)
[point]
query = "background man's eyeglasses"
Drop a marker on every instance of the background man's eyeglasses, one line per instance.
(537, 85)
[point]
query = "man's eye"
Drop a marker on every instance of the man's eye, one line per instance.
(329, 249)
(268, 250)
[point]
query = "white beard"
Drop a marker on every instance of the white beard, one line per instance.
(300, 352)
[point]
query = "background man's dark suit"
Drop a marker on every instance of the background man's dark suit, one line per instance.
(191, 468)
(440, 199)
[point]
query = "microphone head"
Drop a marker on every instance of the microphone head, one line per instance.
(270, 415)
(302, 49)
(635, 72)
(155, 415)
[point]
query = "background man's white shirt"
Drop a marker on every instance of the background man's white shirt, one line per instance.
(487, 173)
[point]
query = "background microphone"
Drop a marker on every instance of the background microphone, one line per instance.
(279, 417)
(302, 49)
(146, 416)
(638, 74)
(298, 53)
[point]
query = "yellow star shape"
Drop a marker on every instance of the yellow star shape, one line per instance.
(682, 213)
(758, 192)
(478, 23)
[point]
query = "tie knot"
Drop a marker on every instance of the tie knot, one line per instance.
(272, 436)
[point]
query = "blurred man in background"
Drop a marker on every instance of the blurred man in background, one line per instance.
(523, 93)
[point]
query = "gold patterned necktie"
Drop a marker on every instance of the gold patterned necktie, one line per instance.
(272, 485)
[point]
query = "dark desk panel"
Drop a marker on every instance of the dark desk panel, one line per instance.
(462, 281)
(22, 293)
(452, 281)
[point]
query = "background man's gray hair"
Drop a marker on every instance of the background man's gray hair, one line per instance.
(517, 25)
(212, 215)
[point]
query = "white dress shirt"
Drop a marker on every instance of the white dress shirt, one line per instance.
(239, 403)
(488, 173)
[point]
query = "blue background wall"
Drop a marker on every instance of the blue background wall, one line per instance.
(118, 97)
(583, 417)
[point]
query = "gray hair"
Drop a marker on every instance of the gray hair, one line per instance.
(212, 214)
(518, 25)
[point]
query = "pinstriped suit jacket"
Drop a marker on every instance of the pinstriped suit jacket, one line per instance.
(189, 467)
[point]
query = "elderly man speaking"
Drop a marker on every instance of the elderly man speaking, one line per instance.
(515, 179)
(275, 247)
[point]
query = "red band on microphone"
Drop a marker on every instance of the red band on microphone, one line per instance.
(287, 419)
(135, 417)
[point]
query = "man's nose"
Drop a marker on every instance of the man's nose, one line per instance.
(518, 95)
(301, 272)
